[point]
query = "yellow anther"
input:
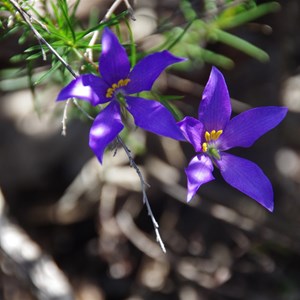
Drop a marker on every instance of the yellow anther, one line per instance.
(110, 91)
(204, 147)
(207, 136)
(123, 82)
(213, 135)
(218, 133)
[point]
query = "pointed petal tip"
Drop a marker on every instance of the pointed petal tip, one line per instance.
(215, 69)
(270, 208)
(265, 200)
(59, 98)
(215, 107)
(248, 178)
(189, 197)
(100, 159)
(178, 58)
(268, 201)
(215, 72)
(87, 87)
(268, 205)
(106, 35)
(107, 30)
(62, 96)
(284, 110)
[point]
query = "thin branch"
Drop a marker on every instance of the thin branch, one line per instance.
(32, 18)
(26, 17)
(114, 7)
(130, 10)
(82, 110)
(144, 185)
(64, 119)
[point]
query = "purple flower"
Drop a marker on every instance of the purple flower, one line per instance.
(214, 133)
(115, 85)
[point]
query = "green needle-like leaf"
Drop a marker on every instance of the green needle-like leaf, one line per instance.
(47, 74)
(240, 44)
(133, 57)
(225, 22)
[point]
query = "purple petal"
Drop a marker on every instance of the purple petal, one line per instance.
(244, 129)
(113, 62)
(105, 128)
(248, 178)
(86, 87)
(215, 108)
(192, 130)
(148, 69)
(198, 172)
(154, 117)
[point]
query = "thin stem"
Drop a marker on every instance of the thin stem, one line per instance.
(64, 119)
(82, 110)
(26, 17)
(144, 185)
(65, 115)
(132, 45)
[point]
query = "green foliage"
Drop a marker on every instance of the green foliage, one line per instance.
(212, 27)
(58, 24)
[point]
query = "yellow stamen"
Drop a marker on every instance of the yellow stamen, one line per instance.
(207, 136)
(212, 136)
(110, 91)
(216, 134)
(219, 132)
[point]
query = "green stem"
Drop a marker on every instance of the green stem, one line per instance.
(132, 45)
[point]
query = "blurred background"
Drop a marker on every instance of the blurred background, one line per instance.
(73, 229)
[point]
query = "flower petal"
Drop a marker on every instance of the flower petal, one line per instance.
(215, 108)
(244, 129)
(154, 117)
(192, 130)
(198, 172)
(148, 69)
(113, 62)
(87, 87)
(105, 128)
(248, 178)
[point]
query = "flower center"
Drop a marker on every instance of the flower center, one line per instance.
(209, 146)
(110, 91)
